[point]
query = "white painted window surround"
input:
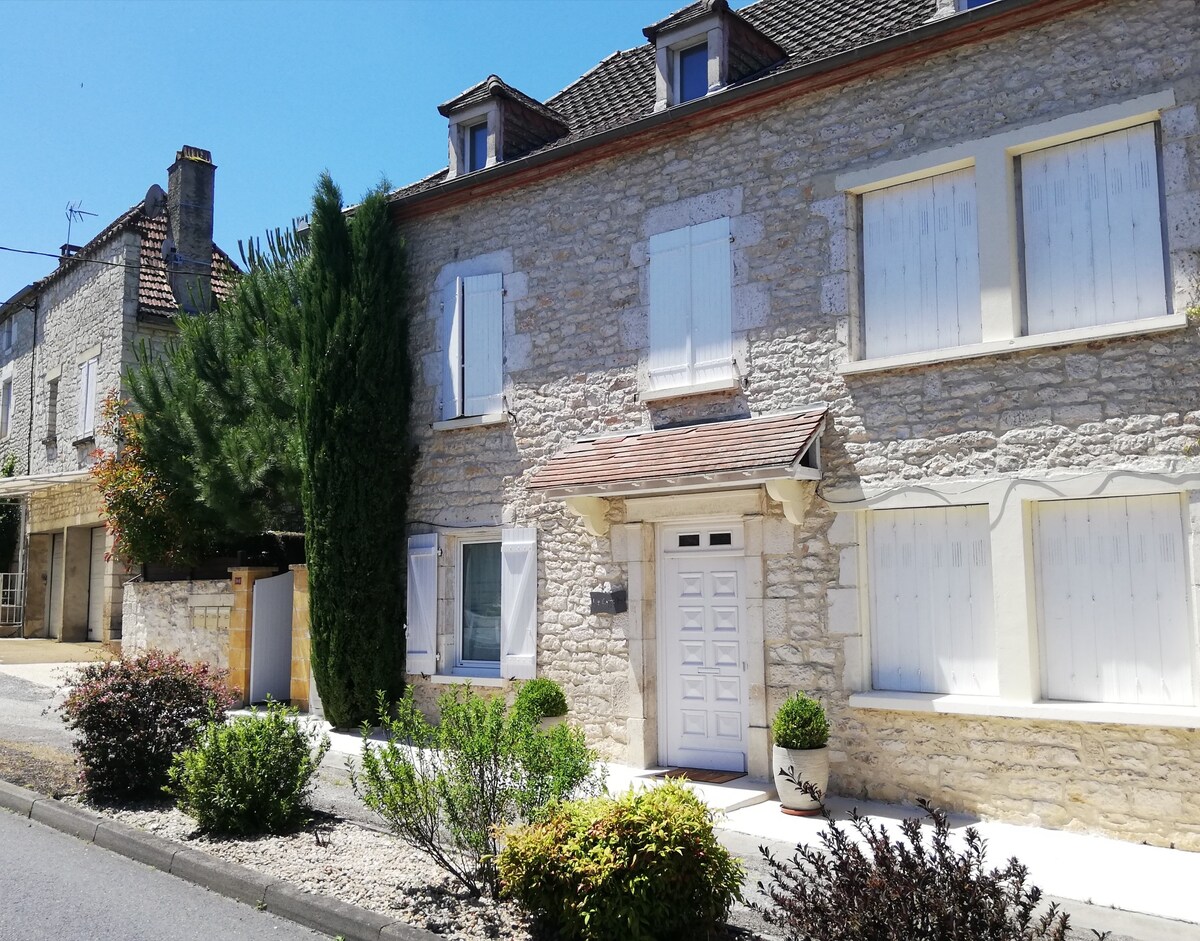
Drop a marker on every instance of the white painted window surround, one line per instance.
(997, 162)
(691, 308)
(427, 558)
(1092, 583)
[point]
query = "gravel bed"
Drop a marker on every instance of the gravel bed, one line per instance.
(351, 863)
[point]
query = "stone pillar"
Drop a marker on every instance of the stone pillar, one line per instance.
(241, 625)
(301, 657)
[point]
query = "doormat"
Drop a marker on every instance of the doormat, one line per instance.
(700, 776)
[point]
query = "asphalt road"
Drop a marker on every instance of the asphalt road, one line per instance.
(55, 887)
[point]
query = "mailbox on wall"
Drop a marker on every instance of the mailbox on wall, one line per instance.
(610, 601)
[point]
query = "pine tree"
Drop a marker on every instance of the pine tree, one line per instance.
(354, 404)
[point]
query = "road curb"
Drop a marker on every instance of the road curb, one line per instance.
(319, 912)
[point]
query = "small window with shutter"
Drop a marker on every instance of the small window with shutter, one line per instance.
(475, 349)
(691, 309)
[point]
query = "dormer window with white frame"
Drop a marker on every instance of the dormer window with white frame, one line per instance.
(704, 48)
(476, 145)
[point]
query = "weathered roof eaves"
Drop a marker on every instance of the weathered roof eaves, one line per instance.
(969, 26)
(495, 87)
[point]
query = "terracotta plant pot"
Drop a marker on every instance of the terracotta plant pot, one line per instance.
(809, 764)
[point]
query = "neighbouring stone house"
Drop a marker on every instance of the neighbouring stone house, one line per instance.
(839, 347)
(64, 342)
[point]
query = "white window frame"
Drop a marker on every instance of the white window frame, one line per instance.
(467, 133)
(676, 53)
(1002, 301)
(460, 666)
(457, 410)
(1012, 507)
(6, 406)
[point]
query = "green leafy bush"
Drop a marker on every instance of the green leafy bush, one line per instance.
(132, 715)
(452, 789)
(645, 865)
(800, 723)
(253, 775)
(541, 699)
(875, 888)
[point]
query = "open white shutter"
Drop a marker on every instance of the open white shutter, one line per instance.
(87, 398)
(452, 385)
(712, 305)
(518, 604)
(1093, 232)
(483, 344)
(670, 309)
(421, 628)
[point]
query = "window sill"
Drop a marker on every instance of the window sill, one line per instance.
(1178, 717)
(85, 441)
(700, 388)
(1016, 344)
(471, 421)
(447, 679)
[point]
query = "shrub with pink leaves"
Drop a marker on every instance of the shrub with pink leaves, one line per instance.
(132, 715)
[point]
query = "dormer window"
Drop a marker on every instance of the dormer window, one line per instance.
(703, 48)
(691, 72)
(477, 146)
(492, 122)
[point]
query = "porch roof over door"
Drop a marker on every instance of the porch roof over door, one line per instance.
(31, 483)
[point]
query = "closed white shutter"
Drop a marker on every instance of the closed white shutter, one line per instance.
(420, 631)
(483, 344)
(921, 266)
(670, 309)
(1112, 596)
(87, 398)
(452, 385)
(931, 601)
(1093, 232)
(518, 604)
(712, 306)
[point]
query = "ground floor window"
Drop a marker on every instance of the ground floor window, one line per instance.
(472, 603)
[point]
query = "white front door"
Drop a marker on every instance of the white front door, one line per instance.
(95, 617)
(704, 715)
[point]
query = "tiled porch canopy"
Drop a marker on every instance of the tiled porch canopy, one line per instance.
(778, 451)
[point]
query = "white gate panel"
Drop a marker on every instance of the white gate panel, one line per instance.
(271, 640)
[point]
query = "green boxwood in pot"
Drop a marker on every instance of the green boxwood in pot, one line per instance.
(540, 700)
(800, 756)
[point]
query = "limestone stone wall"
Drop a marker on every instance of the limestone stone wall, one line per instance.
(573, 250)
(190, 618)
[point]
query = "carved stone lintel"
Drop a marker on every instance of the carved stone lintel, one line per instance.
(795, 495)
(593, 511)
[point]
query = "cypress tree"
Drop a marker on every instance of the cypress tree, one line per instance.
(355, 382)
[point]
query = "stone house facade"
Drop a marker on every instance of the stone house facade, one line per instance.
(867, 372)
(68, 338)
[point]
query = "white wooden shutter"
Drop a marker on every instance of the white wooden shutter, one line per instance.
(483, 344)
(452, 385)
(87, 398)
(1112, 596)
(518, 603)
(420, 631)
(712, 307)
(1093, 232)
(670, 309)
(921, 265)
(931, 601)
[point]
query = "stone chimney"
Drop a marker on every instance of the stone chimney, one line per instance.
(189, 246)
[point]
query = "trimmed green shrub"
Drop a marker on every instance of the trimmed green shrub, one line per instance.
(253, 775)
(541, 699)
(642, 867)
(452, 789)
(800, 723)
(874, 888)
(132, 715)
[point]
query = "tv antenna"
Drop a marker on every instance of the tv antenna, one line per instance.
(75, 214)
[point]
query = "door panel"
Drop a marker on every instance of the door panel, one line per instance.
(54, 602)
(95, 614)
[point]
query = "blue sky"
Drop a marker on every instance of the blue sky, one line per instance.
(95, 98)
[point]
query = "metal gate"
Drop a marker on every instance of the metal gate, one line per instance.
(271, 639)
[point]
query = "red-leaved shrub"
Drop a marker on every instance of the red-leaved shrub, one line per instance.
(133, 714)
